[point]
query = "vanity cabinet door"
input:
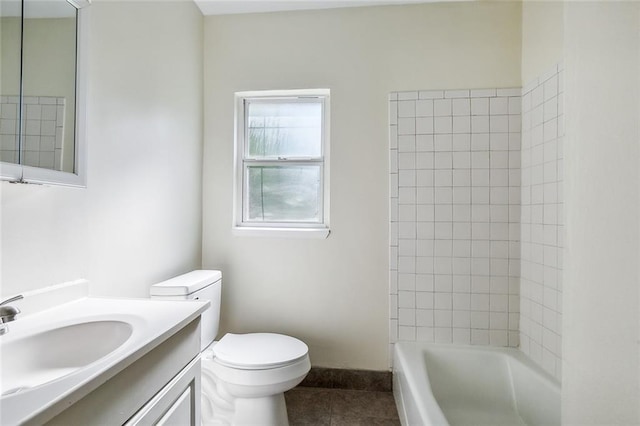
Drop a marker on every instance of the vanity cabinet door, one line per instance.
(180, 412)
(177, 404)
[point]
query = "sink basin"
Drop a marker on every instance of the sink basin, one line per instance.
(66, 345)
(45, 356)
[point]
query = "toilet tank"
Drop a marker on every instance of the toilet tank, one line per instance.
(196, 285)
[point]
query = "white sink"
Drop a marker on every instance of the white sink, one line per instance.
(55, 356)
(35, 359)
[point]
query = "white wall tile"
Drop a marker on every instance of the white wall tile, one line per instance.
(443, 124)
(406, 108)
(484, 93)
(461, 124)
(461, 107)
(480, 124)
(406, 126)
(541, 208)
(407, 96)
(499, 106)
(424, 125)
(480, 106)
(424, 108)
(457, 94)
(458, 180)
(499, 123)
(424, 143)
(461, 171)
(461, 142)
(443, 142)
(431, 94)
(499, 141)
(442, 107)
(480, 160)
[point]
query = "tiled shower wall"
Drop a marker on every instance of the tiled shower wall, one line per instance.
(542, 220)
(455, 215)
(43, 130)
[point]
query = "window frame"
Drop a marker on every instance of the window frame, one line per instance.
(242, 162)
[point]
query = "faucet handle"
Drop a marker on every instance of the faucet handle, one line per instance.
(12, 299)
(8, 313)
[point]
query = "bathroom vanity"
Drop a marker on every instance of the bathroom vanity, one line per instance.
(102, 361)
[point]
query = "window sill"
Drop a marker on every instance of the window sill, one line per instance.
(246, 231)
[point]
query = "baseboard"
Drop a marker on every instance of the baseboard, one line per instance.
(337, 378)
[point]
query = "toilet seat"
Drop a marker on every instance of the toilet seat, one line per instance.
(240, 377)
(258, 351)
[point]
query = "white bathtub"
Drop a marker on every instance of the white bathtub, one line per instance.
(469, 385)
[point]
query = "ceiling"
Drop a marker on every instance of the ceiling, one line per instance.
(228, 7)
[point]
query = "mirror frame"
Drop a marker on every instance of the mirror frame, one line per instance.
(18, 173)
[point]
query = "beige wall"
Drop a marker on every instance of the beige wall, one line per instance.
(10, 59)
(601, 367)
(139, 219)
(333, 293)
(542, 37)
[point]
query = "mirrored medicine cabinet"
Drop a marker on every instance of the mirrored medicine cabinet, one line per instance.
(42, 91)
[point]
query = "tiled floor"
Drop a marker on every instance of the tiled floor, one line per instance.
(340, 407)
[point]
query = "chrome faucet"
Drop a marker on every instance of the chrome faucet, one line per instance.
(8, 313)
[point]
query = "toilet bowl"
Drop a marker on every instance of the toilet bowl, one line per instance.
(244, 376)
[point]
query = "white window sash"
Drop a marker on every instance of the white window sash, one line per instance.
(283, 224)
(283, 100)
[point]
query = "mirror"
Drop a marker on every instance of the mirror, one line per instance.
(41, 90)
(10, 31)
(48, 84)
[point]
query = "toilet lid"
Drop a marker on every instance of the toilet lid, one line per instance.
(258, 350)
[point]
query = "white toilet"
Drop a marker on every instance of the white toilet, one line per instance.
(244, 376)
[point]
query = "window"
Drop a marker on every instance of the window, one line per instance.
(282, 173)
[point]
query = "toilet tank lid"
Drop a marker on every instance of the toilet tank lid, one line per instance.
(186, 284)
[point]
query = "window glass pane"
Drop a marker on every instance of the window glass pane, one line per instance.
(284, 129)
(284, 193)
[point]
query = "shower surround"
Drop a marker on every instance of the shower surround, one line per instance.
(455, 216)
(476, 217)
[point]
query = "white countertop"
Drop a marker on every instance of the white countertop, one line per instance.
(152, 322)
